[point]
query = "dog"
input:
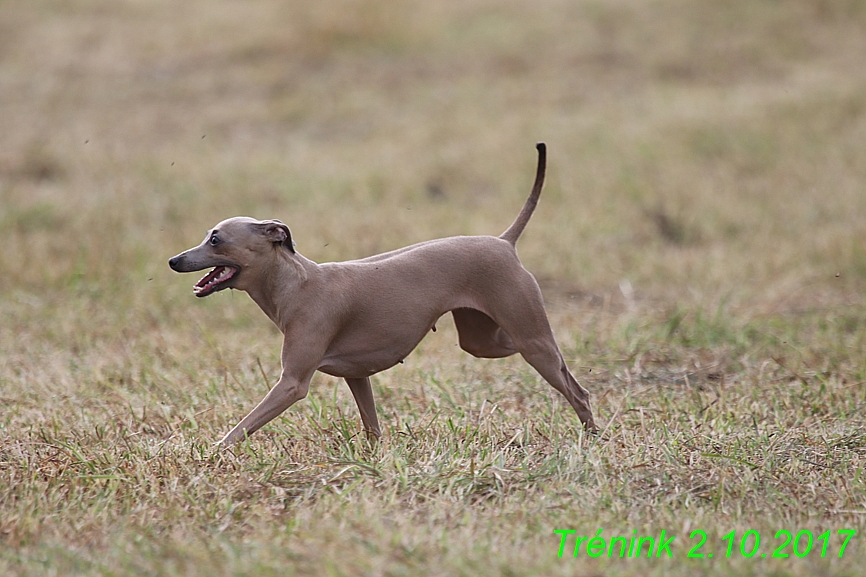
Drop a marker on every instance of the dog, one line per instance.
(356, 318)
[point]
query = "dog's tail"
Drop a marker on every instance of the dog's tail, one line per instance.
(513, 231)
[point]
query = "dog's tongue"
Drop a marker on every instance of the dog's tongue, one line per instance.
(213, 278)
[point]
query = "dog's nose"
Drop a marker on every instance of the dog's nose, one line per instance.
(173, 262)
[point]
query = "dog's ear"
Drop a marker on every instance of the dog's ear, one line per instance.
(278, 233)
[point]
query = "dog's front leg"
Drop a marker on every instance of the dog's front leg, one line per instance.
(363, 393)
(299, 359)
(283, 395)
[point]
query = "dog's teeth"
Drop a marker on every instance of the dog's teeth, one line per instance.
(220, 275)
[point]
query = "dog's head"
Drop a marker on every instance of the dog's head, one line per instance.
(236, 249)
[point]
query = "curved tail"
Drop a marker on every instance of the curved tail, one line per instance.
(513, 231)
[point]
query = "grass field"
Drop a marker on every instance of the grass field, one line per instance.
(701, 244)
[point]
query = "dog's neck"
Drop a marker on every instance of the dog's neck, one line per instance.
(288, 273)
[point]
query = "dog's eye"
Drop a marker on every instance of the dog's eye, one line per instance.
(214, 240)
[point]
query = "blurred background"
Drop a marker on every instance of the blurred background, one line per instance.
(699, 152)
(700, 242)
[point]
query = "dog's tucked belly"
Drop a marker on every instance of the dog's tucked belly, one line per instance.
(385, 331)
(362, 364)
(361, 353)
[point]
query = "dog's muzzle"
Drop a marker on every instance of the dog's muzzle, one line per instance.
(210, 283)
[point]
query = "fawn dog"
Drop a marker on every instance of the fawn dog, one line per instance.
(356, 318)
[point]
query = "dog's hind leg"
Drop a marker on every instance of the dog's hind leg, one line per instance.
(363, 393)
(480, 336)
(545, 357)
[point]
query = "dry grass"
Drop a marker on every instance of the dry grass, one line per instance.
(701, 242)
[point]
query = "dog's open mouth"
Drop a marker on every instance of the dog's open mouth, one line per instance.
(214, 280)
